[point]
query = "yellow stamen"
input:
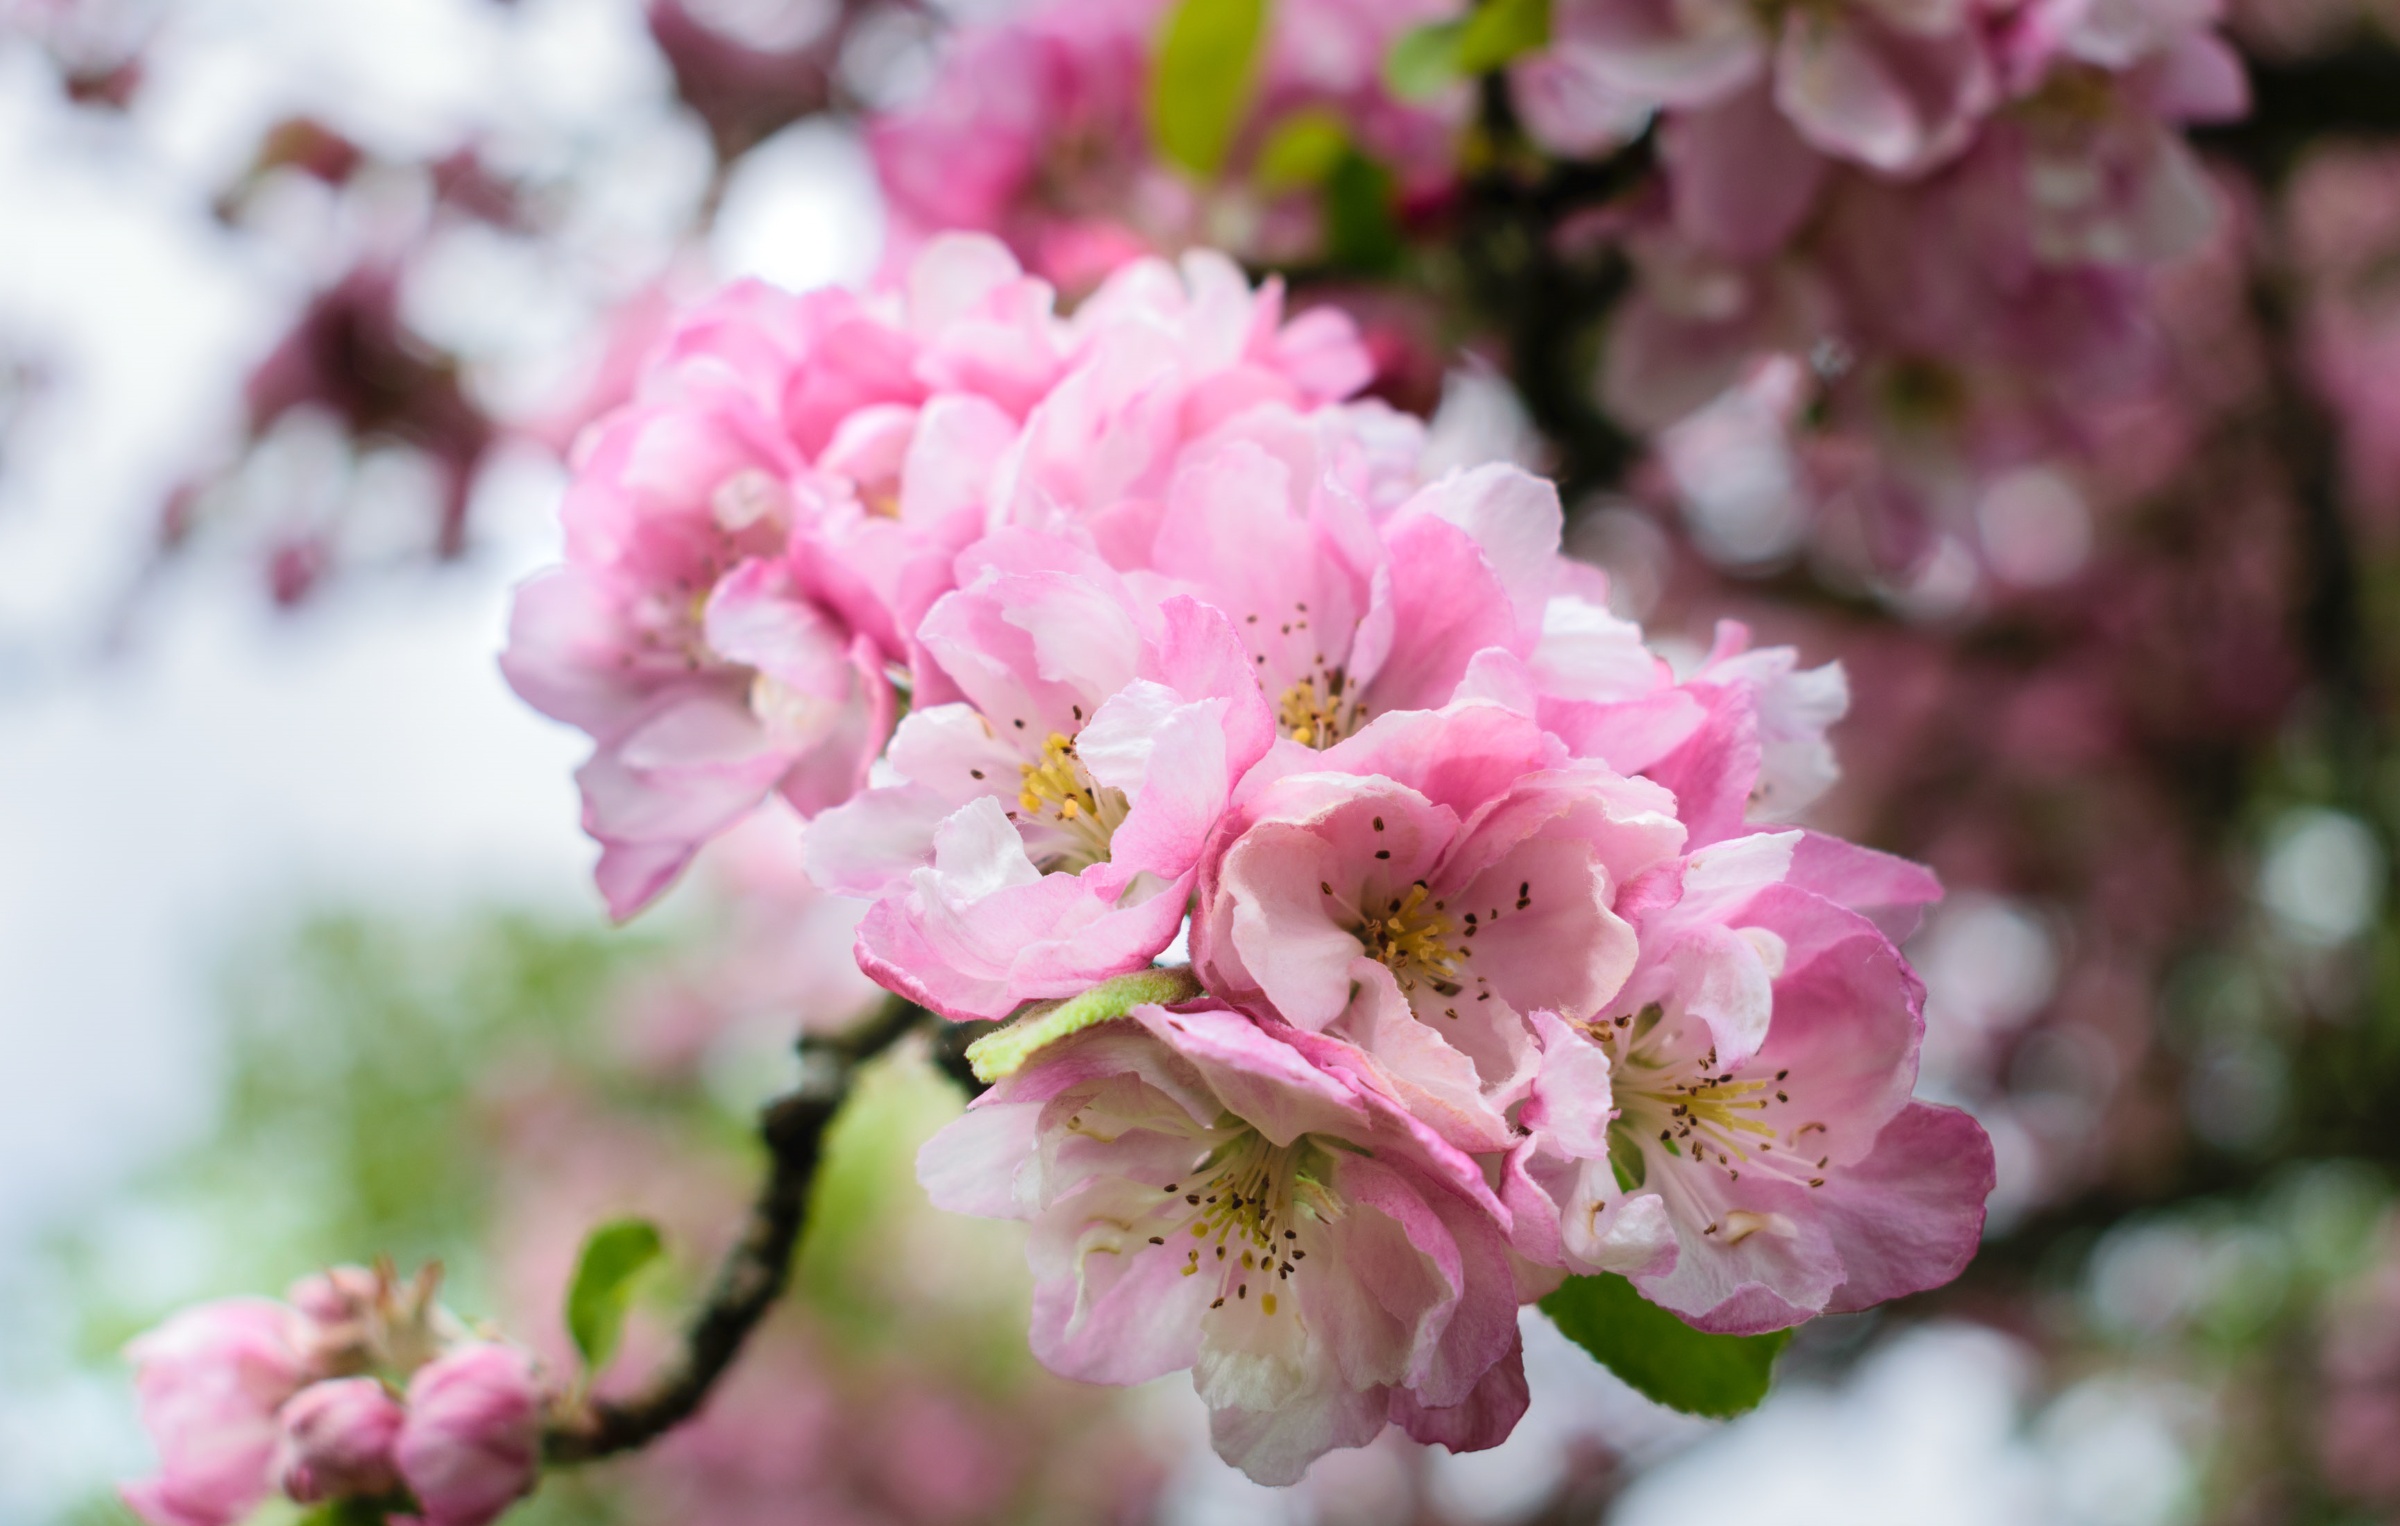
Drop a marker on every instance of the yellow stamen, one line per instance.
(1313, 712)
(1412, 939)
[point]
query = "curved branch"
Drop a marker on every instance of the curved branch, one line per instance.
(754, 1272)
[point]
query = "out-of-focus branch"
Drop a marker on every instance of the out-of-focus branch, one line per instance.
(753, 1273)
(1550, 302)
(2333, 632)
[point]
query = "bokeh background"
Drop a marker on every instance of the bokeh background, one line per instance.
(300, 304)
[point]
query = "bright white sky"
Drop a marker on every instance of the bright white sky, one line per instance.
(238, 767)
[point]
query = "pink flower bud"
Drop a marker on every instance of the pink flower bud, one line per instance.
(471, 1444)
(209, 1382)
(337, 1441)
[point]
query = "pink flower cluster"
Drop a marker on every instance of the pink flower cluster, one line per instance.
(354, 1387)
(1504, 976)
(1949, 208)
(754, 542)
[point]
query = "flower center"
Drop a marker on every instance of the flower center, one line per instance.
(1254, 1213)
(1313, 712)
(1412, 939)
(1690, 1107)
(785, 710)
(1059, 792)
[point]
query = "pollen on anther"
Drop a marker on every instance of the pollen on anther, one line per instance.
(1266, 1303)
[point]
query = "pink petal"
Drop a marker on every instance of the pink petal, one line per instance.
(1910, 1215)
(1742, 180)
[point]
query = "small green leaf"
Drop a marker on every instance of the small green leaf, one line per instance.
(1207, 58)
(1304, 148)
(1002, 1053)
(613, 1257)
(1625, 1156)
(1660, 1355)
(1424, 61)
(1429, 59)
(1500, 32)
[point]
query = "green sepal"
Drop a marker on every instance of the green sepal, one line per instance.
(1625, 1156)
(1002, 1054)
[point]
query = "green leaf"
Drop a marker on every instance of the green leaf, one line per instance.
(613, 1257)
(1000, 1054)
(1429, 59)
(1500, 32)
(1201, 85)
(1680, 1367)
(1424, 61)
(1303, 150)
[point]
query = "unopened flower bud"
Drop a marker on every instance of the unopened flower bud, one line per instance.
(337, 1441)
(210, 1381)
(471, 1443)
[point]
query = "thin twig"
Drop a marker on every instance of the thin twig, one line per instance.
(753, 1274)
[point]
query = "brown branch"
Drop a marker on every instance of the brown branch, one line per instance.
(753, 1274)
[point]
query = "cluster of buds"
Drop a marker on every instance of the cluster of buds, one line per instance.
(356, 1386)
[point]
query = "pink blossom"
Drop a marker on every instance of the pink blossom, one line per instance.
(1202, 1196)
(1035, 129)
(1165, 354)
(1740, 742)
(1754, 1157)
(210, 1381)
(471, 1444)
(337, 1441)
(1044, 831)
(1419, 889)
(751, 541)
(1899, 88)
(1351, 600)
